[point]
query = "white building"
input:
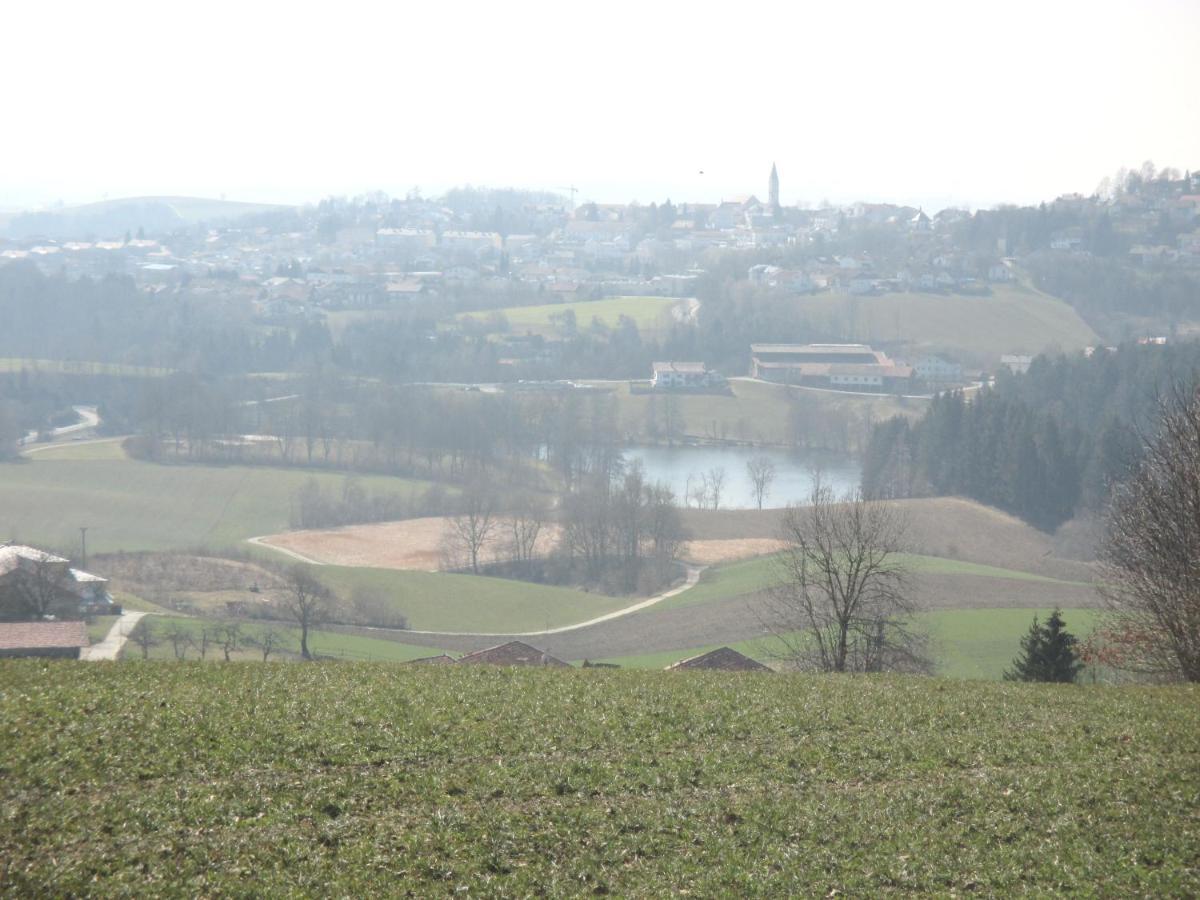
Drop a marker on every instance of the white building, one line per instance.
(682, 375)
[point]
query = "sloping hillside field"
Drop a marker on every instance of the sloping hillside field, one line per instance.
(357, 780)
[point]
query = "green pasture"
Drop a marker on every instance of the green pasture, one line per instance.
(649, 313)
(751, 575)
(1012, 319)
(438, 601)
(132, 505)
(964, 643)
(360, 779)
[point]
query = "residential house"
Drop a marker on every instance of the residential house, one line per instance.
(514, 653)
(669, 375)
(723, 659)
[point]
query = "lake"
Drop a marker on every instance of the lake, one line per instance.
(683, 468)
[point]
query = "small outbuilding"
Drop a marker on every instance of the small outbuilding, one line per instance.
(723, 659)
(60, 640)
(514, 653)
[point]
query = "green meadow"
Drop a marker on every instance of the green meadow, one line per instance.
(360, 779)
(132, 505)
(649, 313)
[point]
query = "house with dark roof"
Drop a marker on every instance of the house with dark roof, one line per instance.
(514, 653)
(62, 640)
(441, 659)
(723, 659)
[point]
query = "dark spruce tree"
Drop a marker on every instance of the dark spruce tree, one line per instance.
(1047, 653)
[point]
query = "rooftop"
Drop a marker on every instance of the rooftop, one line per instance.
(514, 653)
(41, 635)
(724, 659)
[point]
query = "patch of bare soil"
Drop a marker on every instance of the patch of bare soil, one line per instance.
(411, 544)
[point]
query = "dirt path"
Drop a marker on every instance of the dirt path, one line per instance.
(261, 541)
(110, 647)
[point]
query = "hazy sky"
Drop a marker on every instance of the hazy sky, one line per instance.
(934, 103)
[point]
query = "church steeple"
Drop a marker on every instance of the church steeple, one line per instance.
(773, 189)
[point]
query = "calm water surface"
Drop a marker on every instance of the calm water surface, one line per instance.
(684, 468)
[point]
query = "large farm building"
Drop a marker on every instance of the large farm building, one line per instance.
(843, 367)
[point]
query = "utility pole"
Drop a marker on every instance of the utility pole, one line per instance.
(83, 545)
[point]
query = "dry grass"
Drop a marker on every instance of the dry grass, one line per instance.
(713, 552)
(409, 544)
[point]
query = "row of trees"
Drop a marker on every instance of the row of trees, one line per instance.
(1043, 445)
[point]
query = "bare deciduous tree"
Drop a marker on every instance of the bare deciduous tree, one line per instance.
(144, 637)
(231, 639)
(1150, 553)
(268, 641)
(715, 483)
(39, 587)
(307, 601)
(206, 636)
(524, 527)
(762, 475)
(841, 602)
(180, 639)
(470, 531)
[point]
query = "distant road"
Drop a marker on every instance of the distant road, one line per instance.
(260, 541)
(89, 419)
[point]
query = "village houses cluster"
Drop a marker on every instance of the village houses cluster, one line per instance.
(376, 251)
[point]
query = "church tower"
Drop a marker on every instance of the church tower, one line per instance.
(773, 190)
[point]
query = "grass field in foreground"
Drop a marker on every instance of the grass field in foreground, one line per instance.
(434, 601)
(964, 643)
(128, 504)
(361, 780)
(1013, 319)
(649, 313)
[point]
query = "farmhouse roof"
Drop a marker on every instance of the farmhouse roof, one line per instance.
(42, 635)
(724, 659)
(11, 556)
(514, 653)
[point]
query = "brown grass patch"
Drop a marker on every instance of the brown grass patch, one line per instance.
(712, 552)
(409, 544)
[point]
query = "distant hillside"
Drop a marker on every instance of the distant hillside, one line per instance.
(113, 218)
(976, 330)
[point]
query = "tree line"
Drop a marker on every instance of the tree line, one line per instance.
(1044, 445)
